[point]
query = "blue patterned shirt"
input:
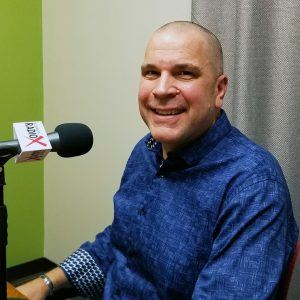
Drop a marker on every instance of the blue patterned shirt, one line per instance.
(212, 221)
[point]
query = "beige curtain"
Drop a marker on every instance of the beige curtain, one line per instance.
(261, 43)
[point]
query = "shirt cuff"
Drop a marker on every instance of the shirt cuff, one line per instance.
(83, 273)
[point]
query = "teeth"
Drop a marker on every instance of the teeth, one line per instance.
(168, 112)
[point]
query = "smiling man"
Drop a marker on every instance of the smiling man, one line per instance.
(182, 85)
(202, 212)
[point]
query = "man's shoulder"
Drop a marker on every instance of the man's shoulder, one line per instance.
(251, 162)
(248, 151)
(141, 149)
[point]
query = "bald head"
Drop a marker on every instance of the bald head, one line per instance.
(213, 44)
(182, 86)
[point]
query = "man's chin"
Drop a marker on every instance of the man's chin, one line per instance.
(166, 139)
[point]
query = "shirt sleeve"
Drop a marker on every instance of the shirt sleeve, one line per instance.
(253, 240)
(87, 266)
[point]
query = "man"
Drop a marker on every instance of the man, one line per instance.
(202, 212)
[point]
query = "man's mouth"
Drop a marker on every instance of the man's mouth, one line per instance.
(168, 112)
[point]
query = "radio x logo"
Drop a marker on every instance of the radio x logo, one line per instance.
(36, 140)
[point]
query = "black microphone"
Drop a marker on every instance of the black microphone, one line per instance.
(68, 140)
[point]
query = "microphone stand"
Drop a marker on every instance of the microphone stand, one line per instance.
(3, 227)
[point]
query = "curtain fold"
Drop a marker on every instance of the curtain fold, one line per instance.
(261, 44)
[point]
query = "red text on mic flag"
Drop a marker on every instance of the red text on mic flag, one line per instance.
(36, 140)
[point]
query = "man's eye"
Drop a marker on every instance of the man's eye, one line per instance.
(185, 75)
(150, 74)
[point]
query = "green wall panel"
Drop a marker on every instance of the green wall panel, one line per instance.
(21, 99)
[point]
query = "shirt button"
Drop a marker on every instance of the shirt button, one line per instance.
(132, 253)
(142, 211)
(117, 292)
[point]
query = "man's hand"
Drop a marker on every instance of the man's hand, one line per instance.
(38, 290)
(34, 290)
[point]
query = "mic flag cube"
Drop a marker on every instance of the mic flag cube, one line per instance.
(33, 141)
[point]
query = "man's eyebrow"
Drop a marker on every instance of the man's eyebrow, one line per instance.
(189, 67)
(148, 66)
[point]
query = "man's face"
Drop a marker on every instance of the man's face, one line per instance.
(179, 95)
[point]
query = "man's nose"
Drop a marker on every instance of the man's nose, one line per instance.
(165, 87)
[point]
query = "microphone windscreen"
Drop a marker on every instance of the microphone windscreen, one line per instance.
(74, 139)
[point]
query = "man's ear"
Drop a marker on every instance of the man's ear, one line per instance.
(221, 88)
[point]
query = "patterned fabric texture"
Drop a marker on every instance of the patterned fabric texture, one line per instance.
(83, 273)
(212, 221)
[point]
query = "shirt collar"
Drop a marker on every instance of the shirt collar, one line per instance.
(198, 149)
(194, 152)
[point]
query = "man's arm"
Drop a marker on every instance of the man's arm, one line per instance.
(84, 270)
(253, 241)
(38, 290)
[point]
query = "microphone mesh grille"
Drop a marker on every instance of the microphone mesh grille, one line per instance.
(74, 139)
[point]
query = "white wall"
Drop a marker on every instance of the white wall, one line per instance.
(92, 55)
